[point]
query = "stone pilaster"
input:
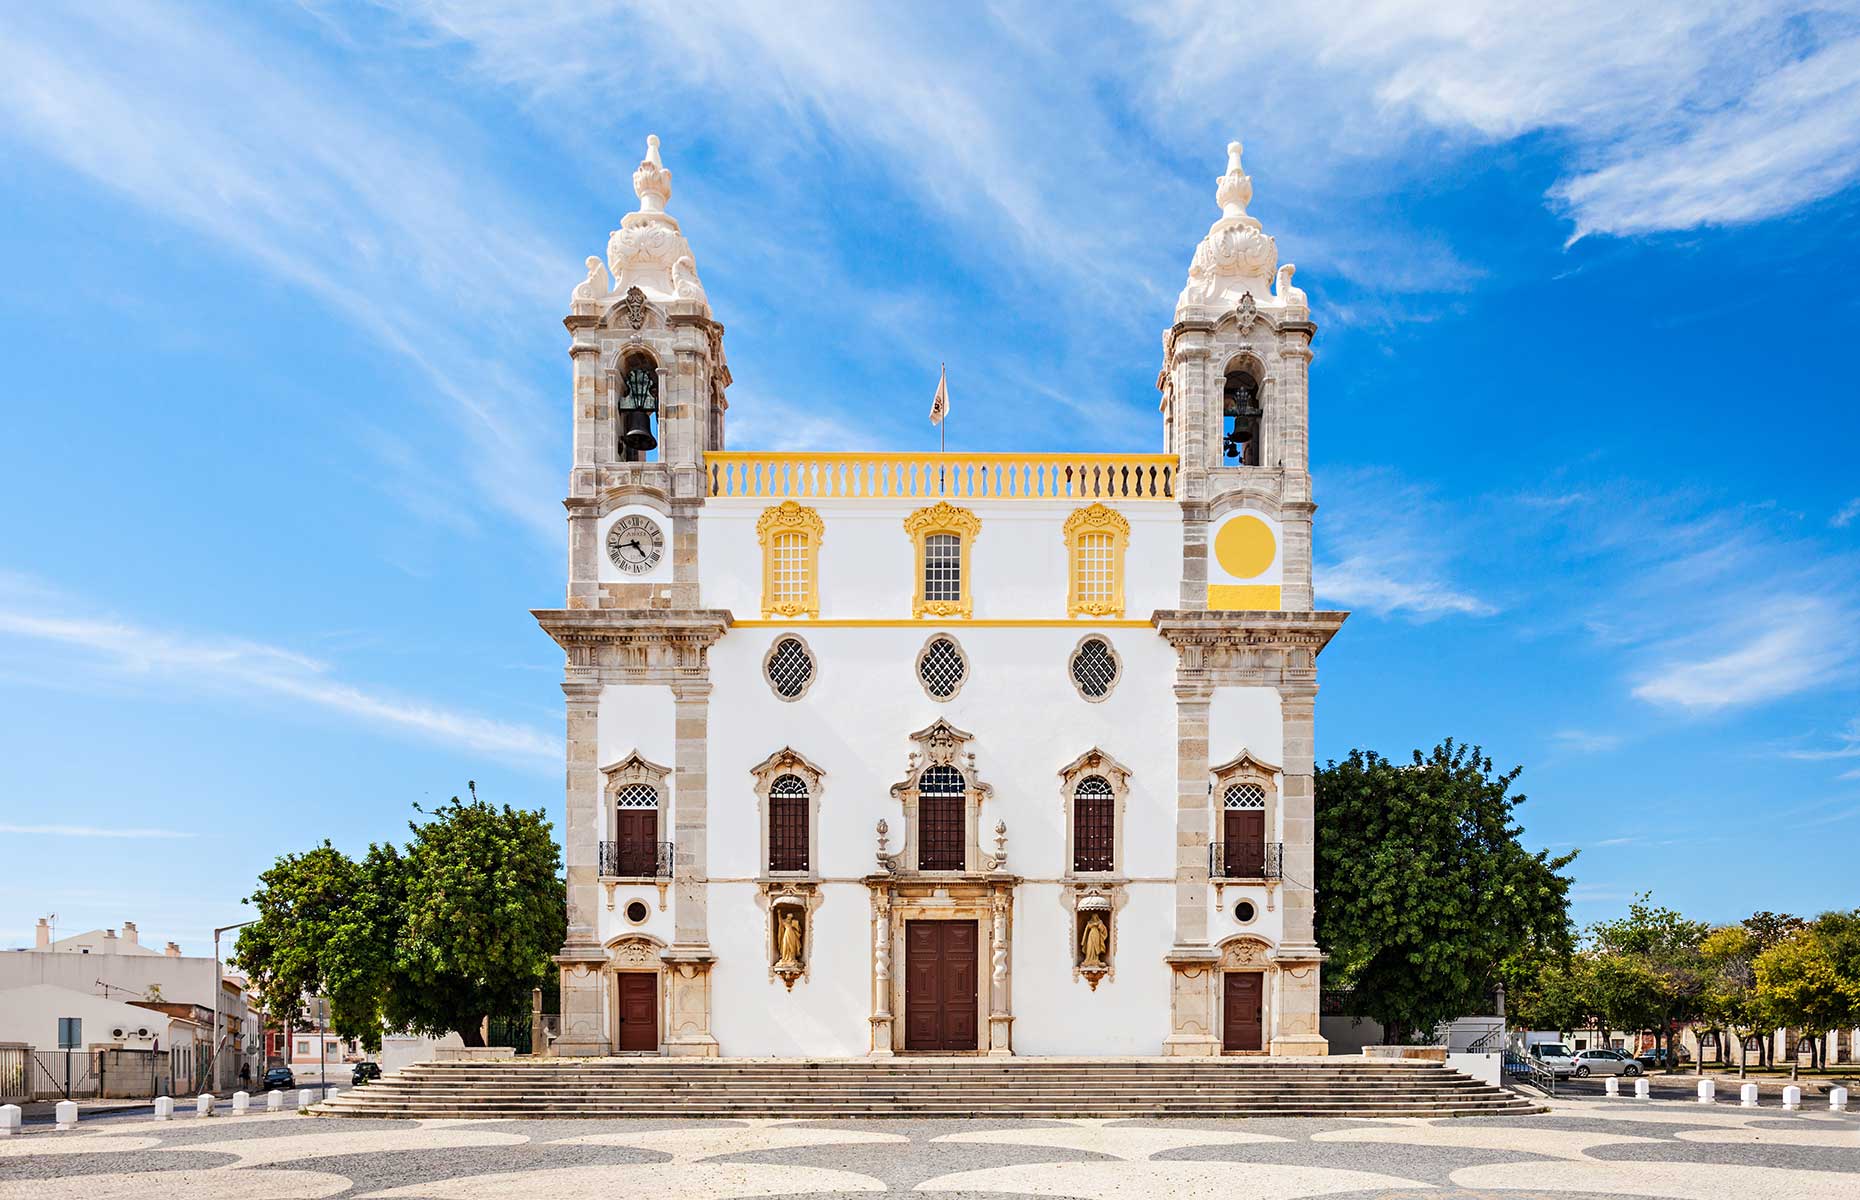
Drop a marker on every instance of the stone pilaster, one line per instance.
(583, 1030)
(1000, 974)
(1191, 960)
(1296, 1029)
(689, 957)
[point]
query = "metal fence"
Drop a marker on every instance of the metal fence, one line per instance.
(15, 1074)
(637, 860)
(1246, 860)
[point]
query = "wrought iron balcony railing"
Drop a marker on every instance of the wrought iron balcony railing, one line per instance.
(854, 475)
(1254, 861)
(636, 860)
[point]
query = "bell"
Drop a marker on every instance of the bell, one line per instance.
(636, 430)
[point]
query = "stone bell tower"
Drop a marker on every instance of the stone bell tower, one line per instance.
(1233, 385)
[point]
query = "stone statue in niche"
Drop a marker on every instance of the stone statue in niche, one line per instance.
(788, 942)
(1093, 943)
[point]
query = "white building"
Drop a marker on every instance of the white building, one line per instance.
(875, 753)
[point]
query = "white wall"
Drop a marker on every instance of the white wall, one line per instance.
(30, 1015)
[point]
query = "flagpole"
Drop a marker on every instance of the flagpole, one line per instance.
(942, 427)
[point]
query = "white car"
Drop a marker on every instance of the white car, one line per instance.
(1555, 1055)
(1604, 1062)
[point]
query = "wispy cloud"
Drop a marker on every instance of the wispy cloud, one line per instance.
(1387, 548)
(1848, 513)
(228, 665)
(93, 831)
(1583, 741)
(1847, 745)
(1778, 650)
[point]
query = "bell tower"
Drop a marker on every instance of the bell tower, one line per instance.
(1233, 385)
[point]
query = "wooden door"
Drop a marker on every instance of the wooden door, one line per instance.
(941, 974)
(636, 842)
(638, 1005)
(1243, 1026)
(1244, 835)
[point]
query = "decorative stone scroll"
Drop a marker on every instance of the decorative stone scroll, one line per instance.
(648, 253)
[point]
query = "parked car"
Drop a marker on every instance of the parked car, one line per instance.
(1604, 1062)
(1652, 1059)
(364, 1071)
(279, 1077)
(1556, 1056)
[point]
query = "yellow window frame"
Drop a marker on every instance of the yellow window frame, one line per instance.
(943, 517)
(789, 517)
(1099, 519)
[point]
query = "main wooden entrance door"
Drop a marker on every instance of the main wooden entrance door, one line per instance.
(1243, 1026)
(940, 976)
(638, 1006)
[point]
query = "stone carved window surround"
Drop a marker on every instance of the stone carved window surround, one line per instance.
(941, 744)
(631, 771)
(788, 761)
(923, 654)
(768, 664)
(1117, 667)
(1248, 952)
(630, 952)
(944, 518)
(616, 359)
(1094, 762)
(785, 530)
(1101, 529)
(1238, 771)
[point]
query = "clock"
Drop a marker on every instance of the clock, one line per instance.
(635, 543)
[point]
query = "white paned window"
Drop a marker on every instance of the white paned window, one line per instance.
(1096, 564)
(790, 567)
(942, 668)
(943, 567)
(1094, 668)
(637, 795)
(1245, 795)
(790, 668)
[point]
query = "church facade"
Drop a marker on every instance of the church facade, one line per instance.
(986, 753)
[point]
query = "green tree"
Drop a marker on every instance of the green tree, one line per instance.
(1728, 999)
(1549, 991)
(1804, 980)
(485, 910)
(1425, 889)
(1650, 969)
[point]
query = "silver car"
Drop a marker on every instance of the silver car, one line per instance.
(1604, 1062)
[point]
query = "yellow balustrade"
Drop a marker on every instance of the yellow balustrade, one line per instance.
(853, 475)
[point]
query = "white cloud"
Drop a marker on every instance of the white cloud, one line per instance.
(1387, 547)
(1847, 745)
(1847, 514)
(1779, 650)
(1583, 741)
(92, 831)
(238, 667)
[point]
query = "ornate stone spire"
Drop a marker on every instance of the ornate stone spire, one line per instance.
(648, 251)
(1236, 259)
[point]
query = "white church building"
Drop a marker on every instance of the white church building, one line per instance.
(877, 753)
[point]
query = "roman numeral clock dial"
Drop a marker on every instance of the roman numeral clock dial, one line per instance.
(635, 543)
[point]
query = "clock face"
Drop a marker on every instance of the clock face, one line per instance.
(635, 543)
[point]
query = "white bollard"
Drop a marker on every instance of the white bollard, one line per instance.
(305, 1097)
(242, 1103)
(66, 1113)
(164, 1108)
(1642, 1089)
(332, 1093)
(1747, 1095)
(1611, 1086)
(9, 1120)
(1708, 1091)
(1792, 1097)
(1837, 1099)
(203, 1104)
(274, 1101)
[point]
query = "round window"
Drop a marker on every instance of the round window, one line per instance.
(1245, 911)
(637, 912)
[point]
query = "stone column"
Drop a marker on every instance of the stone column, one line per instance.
(1000, 976)
(1296, 1019)
(881, 970)
(1191, 995)
(583, 1030)
(689, 957)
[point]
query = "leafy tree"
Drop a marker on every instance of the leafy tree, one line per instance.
(458, 927)
(1549, 991)
(485, 911)
(1649, 969)
(1728, 999)
(1425, 890)
(1804, 980)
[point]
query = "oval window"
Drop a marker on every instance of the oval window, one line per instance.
(790, 668)
(1244, 912)
(1094, 668)
(941, 667)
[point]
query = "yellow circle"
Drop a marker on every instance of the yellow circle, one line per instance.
(1244, 547)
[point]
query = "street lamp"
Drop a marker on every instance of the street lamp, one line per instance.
(213, 1053)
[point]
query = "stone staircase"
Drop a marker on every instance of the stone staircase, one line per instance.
(927, 1088)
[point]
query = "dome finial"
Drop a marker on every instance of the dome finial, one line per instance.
(652, 183)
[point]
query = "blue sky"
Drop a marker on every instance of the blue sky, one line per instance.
(286, 427)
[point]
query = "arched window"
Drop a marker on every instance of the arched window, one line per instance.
(942, 534)
(790, 534)
(1095, 540)
(1242, 415)
(941, 819)
(788, 824)
(634, 852)
(1094, 815)
(636, 408)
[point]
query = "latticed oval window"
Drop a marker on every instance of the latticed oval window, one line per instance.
(1094, 668)
(1245, 796)
(790, 668)
(942, 668)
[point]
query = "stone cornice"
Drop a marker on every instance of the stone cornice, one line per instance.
(1205, 629)
(585, 626)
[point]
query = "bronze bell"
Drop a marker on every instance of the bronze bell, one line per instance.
(636, 430)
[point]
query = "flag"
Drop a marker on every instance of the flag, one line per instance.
(939, 405)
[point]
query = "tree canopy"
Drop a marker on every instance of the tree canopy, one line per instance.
(1424, 889)
(458, 926)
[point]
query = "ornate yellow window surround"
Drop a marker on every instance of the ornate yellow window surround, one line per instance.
(1096, 538)
(946, 596)
(790, 534)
